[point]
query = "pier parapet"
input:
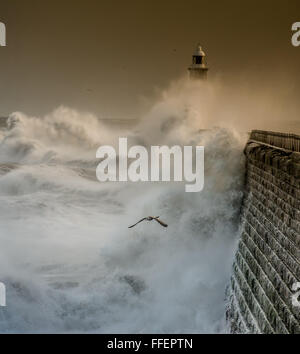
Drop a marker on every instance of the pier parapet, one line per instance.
(266, 269)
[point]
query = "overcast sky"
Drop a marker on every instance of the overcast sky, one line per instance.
(105, 56)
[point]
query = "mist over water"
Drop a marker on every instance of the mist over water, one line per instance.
(67, 257)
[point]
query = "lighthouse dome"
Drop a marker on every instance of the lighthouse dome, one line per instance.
(199, 51)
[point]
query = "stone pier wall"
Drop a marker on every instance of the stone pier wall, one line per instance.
(266, 267)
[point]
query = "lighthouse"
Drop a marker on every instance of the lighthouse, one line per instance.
(198, 69)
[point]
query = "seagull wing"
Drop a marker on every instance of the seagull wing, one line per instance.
(162, 223)
(129, 227)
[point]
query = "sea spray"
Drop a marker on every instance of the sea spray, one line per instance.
(67, 258)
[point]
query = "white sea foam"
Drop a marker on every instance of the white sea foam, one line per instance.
(69, 262)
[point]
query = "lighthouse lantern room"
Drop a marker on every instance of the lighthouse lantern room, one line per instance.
(198, 69)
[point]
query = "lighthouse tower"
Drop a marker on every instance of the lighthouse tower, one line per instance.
(198, 69)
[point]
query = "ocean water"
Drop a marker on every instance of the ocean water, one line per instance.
(68, 260)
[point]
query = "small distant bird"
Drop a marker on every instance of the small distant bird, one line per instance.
(150, 218)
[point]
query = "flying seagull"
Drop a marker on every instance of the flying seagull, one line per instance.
(150, 218)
